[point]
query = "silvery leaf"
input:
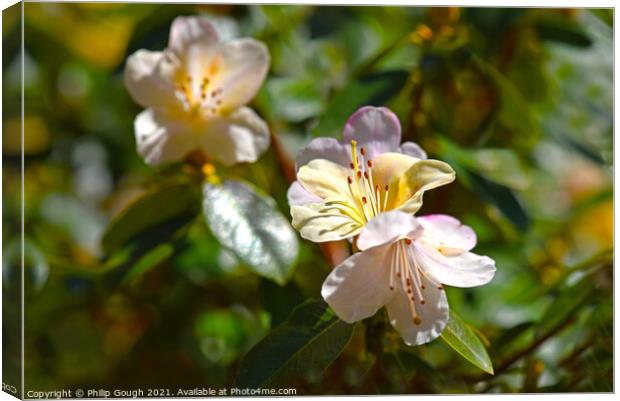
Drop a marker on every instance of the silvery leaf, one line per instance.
(250, 225)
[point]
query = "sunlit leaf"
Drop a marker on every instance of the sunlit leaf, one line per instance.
(252, 227)
(462, 339)
(310, 339)
(374, 89)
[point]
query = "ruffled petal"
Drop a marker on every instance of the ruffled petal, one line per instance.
(464, 270)
(387, 228)
(242, 68)
(412, 149)
(359, 287)
(319, 223)
(448, 235)
(241, 136)
(189, 31)
(325, 148)
(161, 140)
(325, 179)
(421, 177)
(433, 314)
(149, 78)
(375, 128)
(297, 195)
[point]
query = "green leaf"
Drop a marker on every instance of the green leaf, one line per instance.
(462, 339)
(309, 340)
(152, 210)
(295, 99)
(497, 194)
(374, 89)
(557, 28)
(514, 112)
(250, 225)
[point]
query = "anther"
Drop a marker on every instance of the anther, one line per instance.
(417, 320)
(391, 288)
(364, 199)
(369, 163)
(366, 175)
(351, 165)
(422, 302)
(423, 287)
(407, 241)
(363, 151)
(440, 288)
(349, 180)
(408, 281)
(359, 174)
(387, 188)
(409, 291)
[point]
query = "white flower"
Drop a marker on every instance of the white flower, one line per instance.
(195, 92)
(403, 263)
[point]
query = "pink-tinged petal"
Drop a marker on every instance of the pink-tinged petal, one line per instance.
(161, 140)
(464, 270)
(240, 72)
(189, 31)
(298, 195)
(241, 136)
(387, 228)
(149, 78)
(375, 128)
(448, 235)
(433, 314)
(324, 148)
(359, 287)
(412, 149)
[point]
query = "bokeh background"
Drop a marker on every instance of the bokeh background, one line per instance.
(518, 101)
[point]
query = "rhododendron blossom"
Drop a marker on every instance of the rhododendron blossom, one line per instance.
(403, 264)
(337, 193)
(195, 92)
(375, 129)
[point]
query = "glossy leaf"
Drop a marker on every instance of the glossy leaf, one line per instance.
(310, 339)
(374, 89)
(249, 224)
(462, 339)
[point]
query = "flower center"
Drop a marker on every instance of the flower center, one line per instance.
(370, 198)
(198, 95)
(406, 272)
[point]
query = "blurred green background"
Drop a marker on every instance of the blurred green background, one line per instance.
(518, 101)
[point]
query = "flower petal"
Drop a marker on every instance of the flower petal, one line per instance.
(324, 148)
(325, 179)
(422, 176)
(412, 149)
(359, 286)
(387, 228)
(148, 77)
(319, 223)
(464, 270)
(161, 140)
(390, 167)
(434, 314)
(243, 68)
(375, 128)
(188, 31)
(448, 235)
(297, 195)
(241, 136)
